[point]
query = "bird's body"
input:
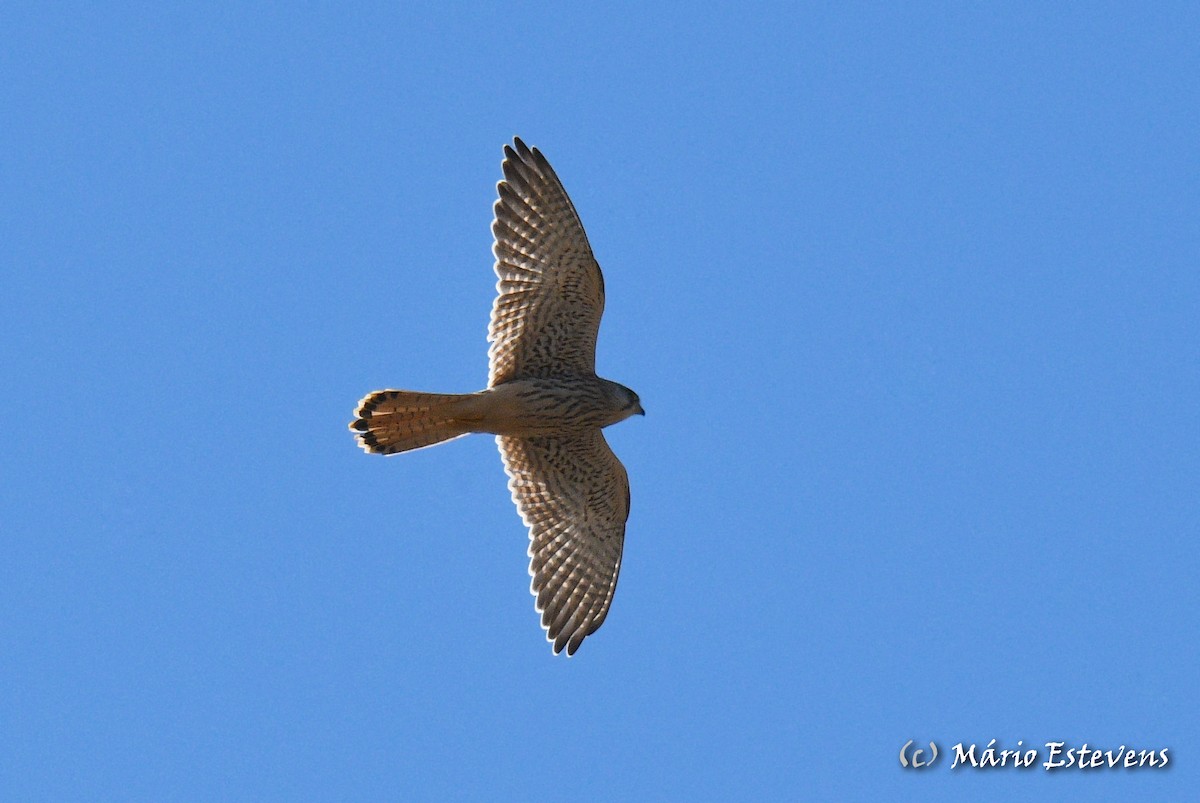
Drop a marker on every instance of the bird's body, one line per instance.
(518, 408)
(544, 402)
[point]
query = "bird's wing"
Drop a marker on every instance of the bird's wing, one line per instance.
(550, 290)
(573, 493)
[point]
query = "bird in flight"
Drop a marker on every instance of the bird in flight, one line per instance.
(543, 402)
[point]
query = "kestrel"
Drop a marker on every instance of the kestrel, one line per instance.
(543, 401)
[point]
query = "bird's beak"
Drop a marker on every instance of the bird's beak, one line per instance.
(640, 411)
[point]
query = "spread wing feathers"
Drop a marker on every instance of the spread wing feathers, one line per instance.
(573, 494)
(551, 293)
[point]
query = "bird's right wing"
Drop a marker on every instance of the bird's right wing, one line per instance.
(573, 494)
(551, 293)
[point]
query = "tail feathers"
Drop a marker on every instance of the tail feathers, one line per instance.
(392, 421)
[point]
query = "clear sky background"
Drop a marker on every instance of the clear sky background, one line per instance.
(910, 298)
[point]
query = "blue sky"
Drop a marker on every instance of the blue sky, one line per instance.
(910, 298)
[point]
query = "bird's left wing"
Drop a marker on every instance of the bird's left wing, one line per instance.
(573, 493)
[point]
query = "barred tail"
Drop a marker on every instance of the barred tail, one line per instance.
(392, 421)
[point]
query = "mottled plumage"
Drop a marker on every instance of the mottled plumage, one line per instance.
(543, 401)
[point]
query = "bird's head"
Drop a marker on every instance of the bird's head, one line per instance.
(625, 400)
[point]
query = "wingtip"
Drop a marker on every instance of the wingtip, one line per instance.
(522, 152)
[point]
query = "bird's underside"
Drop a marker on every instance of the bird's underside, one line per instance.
(544, 402)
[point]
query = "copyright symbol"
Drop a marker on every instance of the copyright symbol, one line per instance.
(915, 759)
